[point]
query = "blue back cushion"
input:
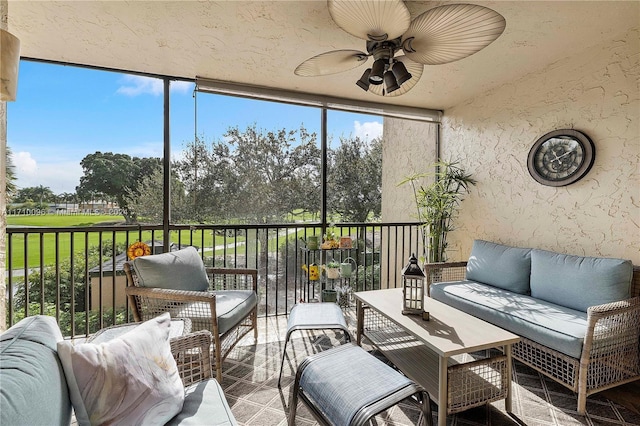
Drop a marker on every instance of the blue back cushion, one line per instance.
(578, 282)
(33, 387)
(500, 266)
(176, 270)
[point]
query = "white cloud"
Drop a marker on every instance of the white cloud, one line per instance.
(146, 149)
(59, 176)
(134, 85)
(26, 166)
(367, 131)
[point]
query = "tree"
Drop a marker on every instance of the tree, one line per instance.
(254, 175)
(36, 194)
(276, 172)
(67, 197)
(147, 204)
(10, 174)
(209, 180)
(354, 183)
(116, 176)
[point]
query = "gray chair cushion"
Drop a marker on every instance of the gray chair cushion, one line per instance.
(204, 404)
(578, 282)
(551, 325)
(500, 266)
(33, 387)
(176, 270)
(232, 306)
(346, 379)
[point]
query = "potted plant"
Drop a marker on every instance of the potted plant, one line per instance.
(331, 240)
(332, 269)
(437, 205)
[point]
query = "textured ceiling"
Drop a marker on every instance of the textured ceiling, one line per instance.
(261, 42)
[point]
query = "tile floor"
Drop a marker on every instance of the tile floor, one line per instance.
(251, 375)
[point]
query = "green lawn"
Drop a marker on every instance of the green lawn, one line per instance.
(63, 245)
(81, 240)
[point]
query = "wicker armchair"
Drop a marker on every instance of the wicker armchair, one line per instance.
(193, 356)
(224, 309)
(611, 349)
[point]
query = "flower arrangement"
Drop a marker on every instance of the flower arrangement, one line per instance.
(138, 249)
(330, 240)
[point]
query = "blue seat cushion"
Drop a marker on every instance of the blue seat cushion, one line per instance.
(345, 379)
(551, 325)
(500, 266)
(33, 387)
(176, 270)
(578, 282)
(314, 316)
(204, 404)
(231, 307)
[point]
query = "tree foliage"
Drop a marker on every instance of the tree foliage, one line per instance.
(437, 205)
(115, 176)
(147, 203)
(354, 183)
(35, 194)
(253, 175)
(10, 175)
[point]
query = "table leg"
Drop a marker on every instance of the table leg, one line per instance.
(442, 391)
(360, 323)
(507, 401)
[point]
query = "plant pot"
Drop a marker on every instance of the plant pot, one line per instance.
(329, 296)
(333, 273)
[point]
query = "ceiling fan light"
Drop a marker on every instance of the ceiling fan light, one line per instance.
(400, 73)
(390, 82)
(377, 71)
(363, 83)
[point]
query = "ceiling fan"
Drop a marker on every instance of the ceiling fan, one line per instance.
(438, 36)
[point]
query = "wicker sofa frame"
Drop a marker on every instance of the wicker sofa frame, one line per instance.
(611, 349)
(148, 302)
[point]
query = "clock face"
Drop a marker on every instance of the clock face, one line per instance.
(561, 157)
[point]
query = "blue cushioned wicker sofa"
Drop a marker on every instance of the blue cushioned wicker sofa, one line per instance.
(577, 316)
(34, 388)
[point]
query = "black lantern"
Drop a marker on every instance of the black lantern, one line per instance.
(413, 288)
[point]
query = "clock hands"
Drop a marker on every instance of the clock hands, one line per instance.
(557, 158)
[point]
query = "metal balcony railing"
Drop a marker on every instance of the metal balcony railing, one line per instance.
(76, 275)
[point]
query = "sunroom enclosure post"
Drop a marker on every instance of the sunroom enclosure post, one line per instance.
(4, 14)
(166, 191)
(323, 174)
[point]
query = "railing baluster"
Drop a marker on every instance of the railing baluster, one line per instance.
(288, 283)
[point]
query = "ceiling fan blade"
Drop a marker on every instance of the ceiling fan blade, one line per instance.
(451, 32)
(414, 68)
(331, 63)
(375, 20)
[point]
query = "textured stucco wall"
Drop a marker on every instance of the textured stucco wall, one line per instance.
(409, 148)
(595, 91)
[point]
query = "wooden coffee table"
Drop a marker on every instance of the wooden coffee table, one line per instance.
(436, 354)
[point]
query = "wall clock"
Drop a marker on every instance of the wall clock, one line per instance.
(561, 157)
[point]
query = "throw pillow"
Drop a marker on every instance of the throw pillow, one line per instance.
(177, 270)
(132, 379)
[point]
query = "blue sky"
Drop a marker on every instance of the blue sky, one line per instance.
(64, 113)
